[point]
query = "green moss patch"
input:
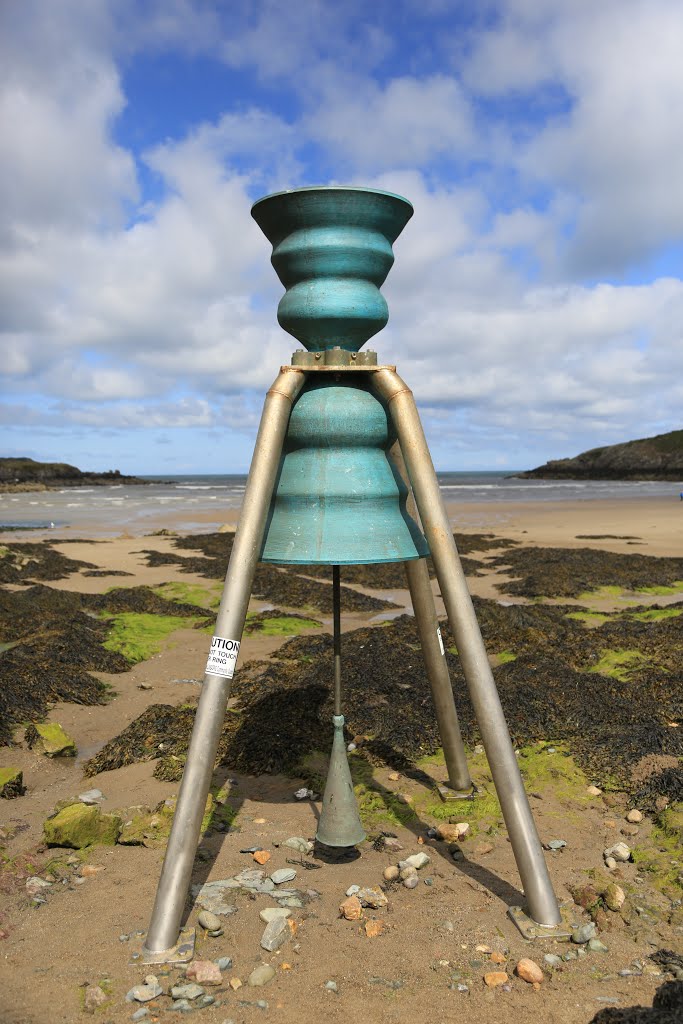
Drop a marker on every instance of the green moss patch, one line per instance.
(660, 856)
(139, 636)
(619, 664)
(505, 656)
(79, 825)
(279, 624)
(191, 593)
(589, 618)
(675, 588)
(655, 614)
(50, 739)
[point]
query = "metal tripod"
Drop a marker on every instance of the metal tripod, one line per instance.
(174, 882)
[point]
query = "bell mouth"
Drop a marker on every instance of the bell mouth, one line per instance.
(331, 188)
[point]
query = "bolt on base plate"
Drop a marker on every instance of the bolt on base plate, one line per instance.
(181, 953)
(531, 929)
(447, 794)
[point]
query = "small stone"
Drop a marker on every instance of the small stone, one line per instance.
(552, 959)
(88, 870)
(596, 946)
(11, 783)
(352, 890)
(224, 963)
(483, 848)
(351, 908)
(584, 933)
(492, 979)
(407, 871)
(205, 1000)
(556, 844)
(453, 833)
(630, 830)
(269, 914)
(191, 991)
(461, 987)
(94, 997)
(78, 825)
(283, 875)
(614, 897)
(610, 863)
(331, 986)
(482, 948)
(235, 983)
(417, 860)
(529, 971)
(261, 975)
(261, 856)
(374, 928)
(259, 821)
(299, 844)
(140, 1014)
(204, 972)
(620, 852)
(593, 791)
(210, 923)
(411, 882)
(35, 885)
(393, 845)
(143, 993)
(373, 897)
(350, 747)
(50, 739)
(391, 874)
(303, 794)
(478, 749)
(394, 777)
(276, 933)
(181, 1005)
(497, 958)
(291, 901)
(634, 816)
(91, 796)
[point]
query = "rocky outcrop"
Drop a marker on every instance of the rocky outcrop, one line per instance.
(26, 474)
(650, 458)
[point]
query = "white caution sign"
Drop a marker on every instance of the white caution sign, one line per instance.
(222, 657)
(438, 633)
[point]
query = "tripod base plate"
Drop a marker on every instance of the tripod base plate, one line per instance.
(181, 953)
(531, 929)
(447, 794)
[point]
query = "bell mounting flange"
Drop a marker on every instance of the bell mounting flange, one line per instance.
(532, 930)
(334, 357)
(181, 953)
(448, 794)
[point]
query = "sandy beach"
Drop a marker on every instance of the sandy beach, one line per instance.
(437, 941)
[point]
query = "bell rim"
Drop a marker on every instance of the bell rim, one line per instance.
(332, 188)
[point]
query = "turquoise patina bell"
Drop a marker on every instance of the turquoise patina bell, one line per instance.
(338, 499)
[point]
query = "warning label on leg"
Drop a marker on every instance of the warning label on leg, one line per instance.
(438, 633)
(222, 657)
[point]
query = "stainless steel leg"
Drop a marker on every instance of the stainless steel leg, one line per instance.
(437, 672)
(182, 844)
(520, 824)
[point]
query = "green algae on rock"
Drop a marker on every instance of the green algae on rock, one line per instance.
(49, 738)
(11, 783)
(79, 825)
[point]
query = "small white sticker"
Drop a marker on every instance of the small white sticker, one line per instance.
(438, 633)
(222, 657)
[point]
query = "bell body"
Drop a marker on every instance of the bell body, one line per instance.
(338, 499)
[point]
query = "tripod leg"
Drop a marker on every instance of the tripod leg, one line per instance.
(437, 672)
(526, 845)
(182, 844)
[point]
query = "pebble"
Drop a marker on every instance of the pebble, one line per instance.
(181, 1005)
(35, 884)
(189, 991)
(584, 933)
(261, 856)
(283, 875)
(497, 958)
(393, 845)
(594, 791)
(204, 972)
(461, 987)
(291, 901)
(391, 874)
(261, 975)
(210, 923)
(143, 993)
(452, 833)
(620, 851)
(556, 844)
(374, 928)
(597, 946)
(411, 882)
(610, 863)
(352, 890)
(91, 796)
(140, 1014)
(269, 914)
(529, 971)
(276, 933)
(417, 861)
(331, 986)
(351, 908)
(634, 816)
(478, 749)
(94, 997)
(303, 794)
(235, 983)
(614, 897)
(224, 963)
(371, 896)
(552, 959)
(394, 777)
(299, 844)
(88, 870)
(492, 979)
(483, 848)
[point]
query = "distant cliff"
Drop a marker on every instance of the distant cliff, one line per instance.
(28, 475)
(650, 458)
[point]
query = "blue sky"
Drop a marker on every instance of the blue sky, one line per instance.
(536, 302)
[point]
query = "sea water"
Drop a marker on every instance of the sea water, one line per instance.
(190, 501)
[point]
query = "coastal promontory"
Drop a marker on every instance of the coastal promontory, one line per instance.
(22, 474)
(649, 458)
